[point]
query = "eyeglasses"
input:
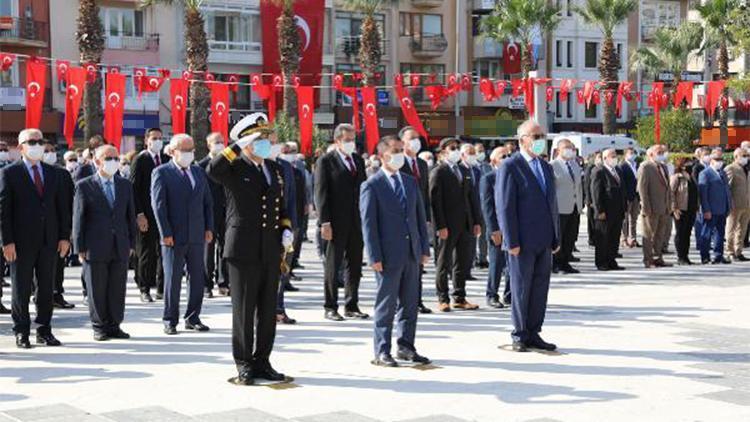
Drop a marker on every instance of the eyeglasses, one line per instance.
(111, 159)
(34, 142)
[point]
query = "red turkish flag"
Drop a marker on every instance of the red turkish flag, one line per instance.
(623, 91)
(414, 79)
(487, 89)
(500, 88)
(150, 84)
(565, 87)
(310, 19)
(220, 108)
(233, 80)
(36, 83)
(517, 87)
(138, 74)
(436, 94)
(656, 98)
(713, 94)
(114, 108)
(511, 58)
(91, 72)
(113, 69)
(684, 93)
(466, 82)
(588, 92)
(410, 112)
(579, 96)
(549, 93)
(596, 97)
(62, 67)
(165, 73)
(266, 92)
(609, 96)
(370, 108)
(6, 61)
(351, 92)
(75, 83)
(306, 109)
(178, 94)
(210, 77)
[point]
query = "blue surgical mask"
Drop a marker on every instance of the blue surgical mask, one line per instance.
(262, 148)
(539, 146)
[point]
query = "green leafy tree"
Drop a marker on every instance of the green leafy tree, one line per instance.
(669, 50)
(679, 129)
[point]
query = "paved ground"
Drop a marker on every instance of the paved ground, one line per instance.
(666, 345)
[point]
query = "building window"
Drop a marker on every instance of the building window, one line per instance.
(348, 29)
(569, 107)
(558, 106)
(558, 53)
(590, 54)
(418, 24)
(7, 7)
(591, 112)
(425, 69)
(122, 22)
(569, 54)
(488, 68)
(568, 10)
(233, 31)
(619, 56)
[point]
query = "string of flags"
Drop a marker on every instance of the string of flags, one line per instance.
(268, 87)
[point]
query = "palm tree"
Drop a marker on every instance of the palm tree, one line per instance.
(607, 15)
(370, 45)
(196, 56)
(290, 50)
(521, 21)
(90, 38)
(717, 34)
(669, 50)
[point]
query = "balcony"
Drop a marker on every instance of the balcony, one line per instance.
(347, 48)
(427, 46)
(234, 52)
(487, 48)
(23, 32)
(426, 4)
(145, 42)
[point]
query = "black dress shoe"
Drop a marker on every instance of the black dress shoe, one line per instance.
(294, 277)
(209, 294)
(618, 255)
(268, 373)
(244, 377)
(146, 297)
(471, 278)
(333, 316)
(684, 262)
(198, 326)
(119, 334)
(412, 356)
(47, 339)
(567, 269)
(297, 265)
(99, 336)
(519, 346)
(538, 343)
(289, 287)
(170, 330)
(4, 310)
(385, 360)
(705, 261)
(661, 264)
(575, 249)
(494, 302)
(740, 258)
(159, 296)
(616, 267)
(283, 318)
(574, 259)
(356, 315)
(555, 269)
(721, 260)
(424, 310)
(602, 268)
(22, 341)
(59, 302)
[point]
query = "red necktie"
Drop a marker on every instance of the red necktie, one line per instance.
(38, 180)
(350, 163)
(415, 168)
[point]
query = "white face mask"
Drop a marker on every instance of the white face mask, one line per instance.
(35, 153)
(110, 167)
(50, 158)
(125, 170)
(71, 166)
(186, 158)
(275, 151)
(156, 146)
(415, 145)
(430, 163)
(454, 156)
(4, 156)
(706, 160)
(288, 157)
(348, 147)
(611, 162)
(743, 161)
(396, 161)
(375, 164)
(568, 154)
(471, 160)
(661, 158)
(481, 156)
(217, 148)
(717, 165)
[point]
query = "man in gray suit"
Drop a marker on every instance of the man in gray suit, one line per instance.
(104, 237)
(569, 202)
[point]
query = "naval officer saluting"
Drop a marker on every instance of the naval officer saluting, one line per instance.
(258, 227)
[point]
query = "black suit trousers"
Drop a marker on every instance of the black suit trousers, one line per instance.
(607, 241)
(454, 256)
(568, 234)
(216, 267)
(149, 268)
(31, 263)
(344, 246)
(254, 288)
(683, 227)
(106, 285)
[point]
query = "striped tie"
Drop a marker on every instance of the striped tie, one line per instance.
(399, 188)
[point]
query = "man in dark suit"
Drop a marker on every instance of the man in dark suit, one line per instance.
(629, 171)
(104, 237)
(301, 201)
(338, 176)
(497, 256)
(455, 214)
(716, 204)
(181, 199)
(216, 270)
(595, 160)
(149, 271)
(417, 168)
(469, 166)
(394, 230)
(257, 229)
(35, 229)
(608, 200)
(526, 205)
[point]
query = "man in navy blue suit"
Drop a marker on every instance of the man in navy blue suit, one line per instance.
(183, 207)
(395, 234)
(104, 233)
(526, 205)
(495, 252)
(716, 203)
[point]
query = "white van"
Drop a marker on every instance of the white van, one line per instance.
(589, 143)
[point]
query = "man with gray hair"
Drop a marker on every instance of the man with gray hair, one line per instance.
(716, 203)
(656, 206)
(569, 203)
(183, 207)
(608, 200)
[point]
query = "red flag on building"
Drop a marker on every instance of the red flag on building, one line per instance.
(149, 84)
(500, 88)
(306, 109)
(165, 73)
(75, 83)
(656, 93)
(684, 92)
(36, 83)
(220, 108)
(266, 92)
(62, 66)
(310, 20)
(713, 93)
(565, 87)
(511, 58)
(487, 89)
(114, 108)
(6, 61)
(370, 107)
(91, 71)
(351, 92)
(410, 112)
(178, 94)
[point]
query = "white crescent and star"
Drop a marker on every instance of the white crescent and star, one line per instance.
(153, 82)
(33, 92)
(370, 109)
(305, 110)
(73, 91)
(221, 107)
(302, 24)
(114, 99)
(406, 102)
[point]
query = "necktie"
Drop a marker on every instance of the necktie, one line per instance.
(38, 180)
(614, 174)
(187, 178)
(415, 169)
(457, 171)
(570, 171)
(109, 193)
(399, 188)
(537, 168)
(663, 172)
(350, 164)
(157, 158)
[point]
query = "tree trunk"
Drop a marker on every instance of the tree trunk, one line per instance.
(90, 38)
(723, 113)
(196, 49)
(290, 45)
(608, 67)
(370, 52)
(92, 109)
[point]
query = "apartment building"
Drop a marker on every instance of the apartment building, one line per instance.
(24, 29)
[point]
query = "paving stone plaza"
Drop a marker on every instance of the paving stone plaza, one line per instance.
(640, 345)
